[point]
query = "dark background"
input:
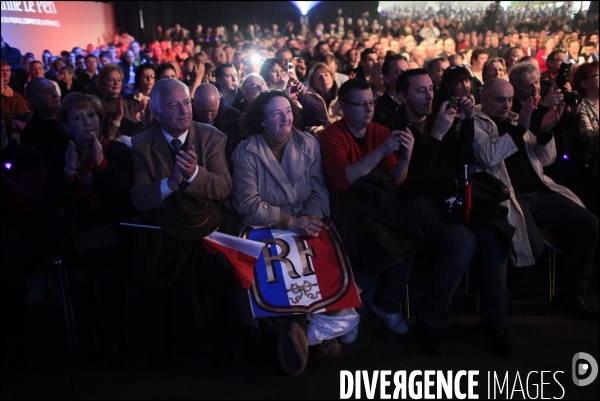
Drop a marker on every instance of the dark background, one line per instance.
(214, 13)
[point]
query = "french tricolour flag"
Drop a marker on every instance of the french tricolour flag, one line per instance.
(300, 275)
(242, 253)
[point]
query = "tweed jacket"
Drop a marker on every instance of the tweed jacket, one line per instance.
(152, 163)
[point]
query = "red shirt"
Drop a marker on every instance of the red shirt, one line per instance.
(339, 148)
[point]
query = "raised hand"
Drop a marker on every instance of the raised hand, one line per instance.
(391, 144)
(71, 158)
(120, 112)
(554, 98)
(97, 154)
(407, 142)
(525, 113)
(141, 105)
(444, 121)
(552, 117)
(467, 108)
(187, 161)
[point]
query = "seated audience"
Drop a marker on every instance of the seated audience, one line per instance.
(90, 178)
(122, 116)
(454, 242)
(208, 109)
(278, 182)
(387, 104)
(353, 148)
(42, 131)
(13, 103)
(494, 68)
(174, 163)
(227, 84)
(506, 148)
(25, 243)
(68, 82)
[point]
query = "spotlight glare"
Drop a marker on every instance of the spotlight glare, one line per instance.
(305, 6)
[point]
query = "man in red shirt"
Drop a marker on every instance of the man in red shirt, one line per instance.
(351, 150)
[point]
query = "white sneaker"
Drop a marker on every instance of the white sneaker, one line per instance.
(393, 321)
(350, 336)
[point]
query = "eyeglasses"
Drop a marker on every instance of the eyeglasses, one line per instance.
(456, 66)
(148, 76)
(370, 103)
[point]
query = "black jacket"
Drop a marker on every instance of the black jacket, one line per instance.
(228, 121)
(385, 107)
(44, 135)
(376, 230)
(431, 159)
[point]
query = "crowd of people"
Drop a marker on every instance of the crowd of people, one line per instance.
(362, 123)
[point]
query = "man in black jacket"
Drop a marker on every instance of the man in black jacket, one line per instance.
(227, 85)
(42, 132)
(454, 241)
(387, 104)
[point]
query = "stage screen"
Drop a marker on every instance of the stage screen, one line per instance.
(32, 26)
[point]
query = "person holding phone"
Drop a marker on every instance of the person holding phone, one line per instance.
(273, 74)
(454, 242)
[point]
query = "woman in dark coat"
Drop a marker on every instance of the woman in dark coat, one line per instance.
(123, 120)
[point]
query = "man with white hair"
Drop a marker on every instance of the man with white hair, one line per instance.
(525, 79)
(179, 159)
(252, 86)
(177, 153)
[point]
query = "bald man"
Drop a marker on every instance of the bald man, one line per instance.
(208, 109)
(418, 56)
(42, 131)
(506, 148)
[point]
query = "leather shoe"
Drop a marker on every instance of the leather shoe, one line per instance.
(499, 338)
(574, 306)
(428, 337)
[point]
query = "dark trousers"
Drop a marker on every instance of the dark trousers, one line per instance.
(491, 260)
(456, 246)
(385, 289)
(574, 226)
(194, 308)
(105, 268)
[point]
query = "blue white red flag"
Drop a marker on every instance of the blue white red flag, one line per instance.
(297, 275)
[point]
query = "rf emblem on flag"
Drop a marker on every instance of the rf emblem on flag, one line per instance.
(297, 275)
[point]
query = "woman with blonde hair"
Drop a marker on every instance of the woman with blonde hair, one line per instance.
(90, 178)
(122, 120)
(321, 81)
(544, 51)
(494, 68)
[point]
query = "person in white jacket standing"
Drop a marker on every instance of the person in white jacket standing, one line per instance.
(505, 147)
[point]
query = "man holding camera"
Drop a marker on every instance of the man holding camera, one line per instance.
(507, 146)
(455, 243)
(525, 79)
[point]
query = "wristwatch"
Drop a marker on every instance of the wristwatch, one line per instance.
(114, 123)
